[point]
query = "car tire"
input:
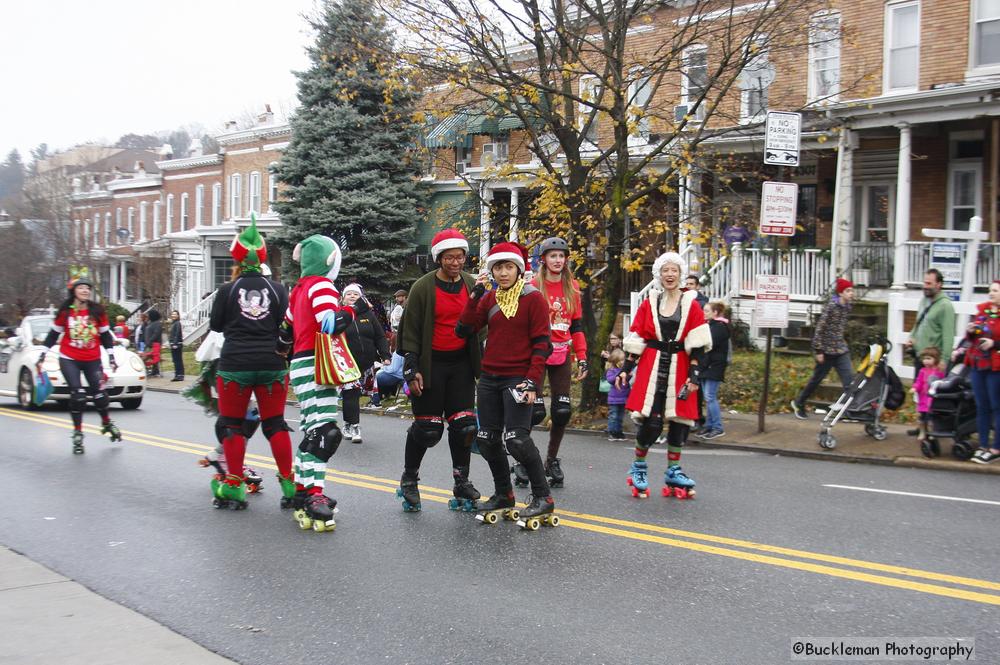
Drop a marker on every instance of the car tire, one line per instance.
(26, 390)
(132, 404)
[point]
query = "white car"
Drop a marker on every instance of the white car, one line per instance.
(20, 351)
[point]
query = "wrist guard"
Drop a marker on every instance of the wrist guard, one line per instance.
(411, 365)
(629, 366)
(582, 366)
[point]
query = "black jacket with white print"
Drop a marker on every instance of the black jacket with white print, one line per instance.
(248, 312)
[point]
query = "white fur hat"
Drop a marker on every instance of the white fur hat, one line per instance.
(353, 287)
(664, 259)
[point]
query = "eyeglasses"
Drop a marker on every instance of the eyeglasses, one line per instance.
(453, 259)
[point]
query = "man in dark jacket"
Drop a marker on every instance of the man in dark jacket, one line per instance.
(830, 346)
(177, 345)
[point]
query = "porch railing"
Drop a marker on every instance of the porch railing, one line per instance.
(876, 258)
(809, 270)
(195, 320)
(918, 260)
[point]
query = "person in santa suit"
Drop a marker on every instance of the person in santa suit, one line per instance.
(561, 291)
(440, 369)
(81, 328)
(517, 346)
(669, 337)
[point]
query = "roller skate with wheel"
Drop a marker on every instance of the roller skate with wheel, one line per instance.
(466, 495)
(555, 473)
(638, 479)
(253, 480)
(230, 492)
(316, 513)
(497, 506)
(287, 486)
(212, 460)
(540, 510)
(520, 475)
(409, 492)
(676, 483)
(112, 431)
(77, 442)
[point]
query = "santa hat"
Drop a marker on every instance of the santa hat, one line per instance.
(507, 251)
(448, 239)
(248, 248)
(843, 285)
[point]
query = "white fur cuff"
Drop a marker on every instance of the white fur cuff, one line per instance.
(699, 338)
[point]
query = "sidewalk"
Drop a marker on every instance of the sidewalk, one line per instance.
(48, 618)
(784, 435)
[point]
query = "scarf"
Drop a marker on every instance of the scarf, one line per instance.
(507, 299)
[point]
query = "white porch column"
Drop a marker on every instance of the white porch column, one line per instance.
(123, 280)
(113, 285)
(843, 205)
(512, 232)
(484, 224)
(903, 183)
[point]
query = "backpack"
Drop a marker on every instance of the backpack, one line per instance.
(896, 396)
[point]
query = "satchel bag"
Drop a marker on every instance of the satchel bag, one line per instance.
(335, 366)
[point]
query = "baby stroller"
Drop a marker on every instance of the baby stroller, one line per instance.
(953, 414)
(865, 399)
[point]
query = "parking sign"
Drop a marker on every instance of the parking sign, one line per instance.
(779, 202)
(781, 142)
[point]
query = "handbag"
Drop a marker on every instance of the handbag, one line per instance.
(604, 386)
(43, 388)
(335, 365)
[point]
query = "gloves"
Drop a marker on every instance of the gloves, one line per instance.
(478, 291)
(411, 365)
(694, 374)
(628, 366)
(361, 306)
(582, 366)
(113, 363)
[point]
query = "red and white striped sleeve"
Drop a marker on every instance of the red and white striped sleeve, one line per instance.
(323, 297)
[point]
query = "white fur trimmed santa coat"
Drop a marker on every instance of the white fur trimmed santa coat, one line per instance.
(693, 332)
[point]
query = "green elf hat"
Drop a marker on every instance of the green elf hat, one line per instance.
(318, 255)
(248, 248)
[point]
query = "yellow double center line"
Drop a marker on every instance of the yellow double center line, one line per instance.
(783, 557)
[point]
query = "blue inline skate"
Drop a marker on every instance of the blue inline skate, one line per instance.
(676, 483)
(638, 480)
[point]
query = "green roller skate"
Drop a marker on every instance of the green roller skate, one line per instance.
(77, 442)
(112, 431)
(230, 492)
(287, 491)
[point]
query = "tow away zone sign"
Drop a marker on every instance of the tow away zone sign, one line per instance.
(778, 204)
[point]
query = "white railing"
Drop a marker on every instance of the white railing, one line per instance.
(718, 281)
(918, 258)
(195, 320)
(809, 270)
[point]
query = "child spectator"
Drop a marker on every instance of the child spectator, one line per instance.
(616, 396)
(714, 373)
(930, 359)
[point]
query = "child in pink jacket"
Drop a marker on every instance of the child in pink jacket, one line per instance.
(930, 358)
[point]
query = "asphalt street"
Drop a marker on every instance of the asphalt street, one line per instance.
(772, 549)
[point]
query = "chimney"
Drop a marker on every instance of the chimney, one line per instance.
(166, 151)
(230, 125)
(140, 170)
(265, 118)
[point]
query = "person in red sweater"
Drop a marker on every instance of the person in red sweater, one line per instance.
(561, 291)
(81, 327)
(517, 346)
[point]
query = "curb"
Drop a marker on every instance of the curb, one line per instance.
(902, 461)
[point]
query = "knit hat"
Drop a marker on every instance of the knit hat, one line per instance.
(664, 259)
(353, 287)
(248, 248)
(843, 285)
(318, 255)
(506, 251)
(448, 239)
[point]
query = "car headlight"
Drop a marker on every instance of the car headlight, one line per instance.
(135, 363)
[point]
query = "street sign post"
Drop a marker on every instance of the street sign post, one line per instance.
(779, 202)
(782, 138)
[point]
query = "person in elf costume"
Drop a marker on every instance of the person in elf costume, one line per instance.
(669, 336)
(314, 306)
(81, 328)
(249, 311)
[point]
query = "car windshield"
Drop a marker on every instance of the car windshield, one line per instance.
(39, 328)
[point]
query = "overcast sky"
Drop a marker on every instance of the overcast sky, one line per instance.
(77, 71)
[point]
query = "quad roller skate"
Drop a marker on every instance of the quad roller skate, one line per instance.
(540, 510)
(253, 480)
(676, 483)
(230, 492)
(287, 491)
(77, 442)
(112, 431)
(520, 475)
(409, 492)
(638, 479)
(496, 507)
(316, 513)
(212, 460)
(466, 495)
(554, 471)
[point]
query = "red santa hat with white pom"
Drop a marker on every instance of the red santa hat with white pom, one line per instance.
(507, 251)
(448, 239)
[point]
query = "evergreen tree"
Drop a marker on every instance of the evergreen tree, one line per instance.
(11, 175)
(348, 172)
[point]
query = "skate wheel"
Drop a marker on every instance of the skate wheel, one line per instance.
(553, 520)
(643, 495)
(690, 494)
(512, 515)
(203, 462)
(629, 481)
(532, 524)
(490, 518)
(635, 492)
(667, 492)
(453, 504)
(680, 493)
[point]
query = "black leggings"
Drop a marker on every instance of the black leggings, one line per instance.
(93, 372)
(501, 418)
(351, 402)
(450, 392)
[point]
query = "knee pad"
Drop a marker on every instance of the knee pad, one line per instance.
(649, 431)
(227, 426)
(677, 434)
(519, 443)
(322, 442)
(489, 443)
(77, 400)
(561, 410)
(462, 426)
(538, 411)
(273, 425)
(427, 430)
(101, 400)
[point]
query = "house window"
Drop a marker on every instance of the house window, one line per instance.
(113, 233)
(199, 203)
(216, 202)
(170, 212)
(221, 268)
(235, 192)
(156, 218)
(824, 57)
(144, 215)
(640, 91)
(254, 185)
(755, 79)
(463, 159)
(902, 47)
(495, 152)
(131, 224)
(272, 191)
(965, 178)
(590, 91)
(184, 211)
(985, 33)
(118, 222)
(694, 82)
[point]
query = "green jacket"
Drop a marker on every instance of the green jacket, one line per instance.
(937, 328)
(416, 330)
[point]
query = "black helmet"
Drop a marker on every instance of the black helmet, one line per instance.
(550, 244)
(78, 282)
